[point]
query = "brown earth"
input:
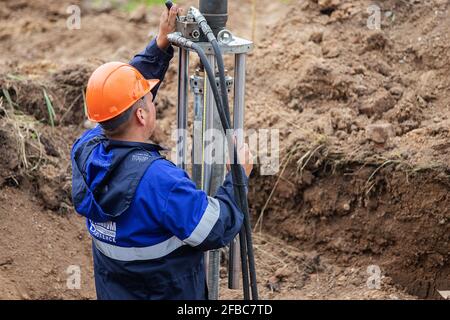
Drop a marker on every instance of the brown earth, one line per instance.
(364, 135)
(364, 118)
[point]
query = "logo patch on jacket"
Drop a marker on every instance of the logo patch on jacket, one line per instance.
(140, 157)
(103, 230)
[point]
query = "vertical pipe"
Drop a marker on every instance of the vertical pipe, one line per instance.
(234, 267)
(238, 125)
(206, 258)
(197, 85)
(240, 79)
(183, 81)
(239, 97)
(212, 258)
(208, 115)
(214, 274)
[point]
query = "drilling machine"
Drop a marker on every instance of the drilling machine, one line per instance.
(203, 32)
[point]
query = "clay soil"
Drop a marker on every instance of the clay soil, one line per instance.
(364, 123)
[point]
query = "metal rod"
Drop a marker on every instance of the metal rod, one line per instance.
(197, 86)
(213, 177)
(183, 81)
(209, 126)
(238, 125)
(234, 278)
(214, 274)
(207, 266)
(239, 97)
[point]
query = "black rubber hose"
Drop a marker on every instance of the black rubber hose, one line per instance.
(240, 194)
(244, 264)
(243, 205)
(223, 81)
(169, 5)
(230, 265)
(238, 180)
(221, 68)
(237, 175)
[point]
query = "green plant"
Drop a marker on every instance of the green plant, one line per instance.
(50, 109)
(15, 77)
(84, 103)
(8, 98)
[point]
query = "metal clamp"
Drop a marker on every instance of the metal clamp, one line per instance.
(225, 36)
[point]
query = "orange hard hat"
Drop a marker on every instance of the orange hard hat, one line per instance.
(113, 88)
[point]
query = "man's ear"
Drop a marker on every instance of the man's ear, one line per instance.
(140, 116)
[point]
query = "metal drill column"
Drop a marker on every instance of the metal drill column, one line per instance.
(239, 96)
(238, 125)
(197, 87)
(183, 81)
(214, 172)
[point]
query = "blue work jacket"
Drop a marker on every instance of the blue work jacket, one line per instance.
(149, 223)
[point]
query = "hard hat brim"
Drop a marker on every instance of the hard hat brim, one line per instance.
(153, 83)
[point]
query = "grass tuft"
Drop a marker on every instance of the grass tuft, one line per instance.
(8, 98)
(50, 109)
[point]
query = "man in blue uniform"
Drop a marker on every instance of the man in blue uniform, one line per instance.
(149, 223)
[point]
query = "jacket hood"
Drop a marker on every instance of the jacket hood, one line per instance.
(106, 173)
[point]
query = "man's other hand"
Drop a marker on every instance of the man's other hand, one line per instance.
(245, 159)
(167, 24)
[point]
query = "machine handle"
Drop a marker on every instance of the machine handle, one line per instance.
(169, 5)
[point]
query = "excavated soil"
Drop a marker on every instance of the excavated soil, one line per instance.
(364, 119)
(364, 125)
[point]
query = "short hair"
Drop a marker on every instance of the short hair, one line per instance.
(118, 124)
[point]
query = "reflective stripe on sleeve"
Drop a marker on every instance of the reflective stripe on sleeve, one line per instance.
(206, 224)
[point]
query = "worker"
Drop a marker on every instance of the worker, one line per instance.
(149, 224)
